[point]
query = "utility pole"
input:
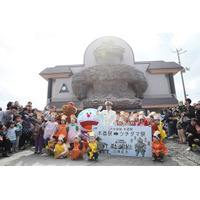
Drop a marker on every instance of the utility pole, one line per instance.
(178, 52)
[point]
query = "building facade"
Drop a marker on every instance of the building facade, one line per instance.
(110, 72)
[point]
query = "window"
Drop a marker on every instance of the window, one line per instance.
(64, 88)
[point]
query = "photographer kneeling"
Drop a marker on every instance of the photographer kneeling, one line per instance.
(193, 133)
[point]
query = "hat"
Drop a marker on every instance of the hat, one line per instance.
(181, 101)
(141, 117)
(53, 114)
(152, 113)
(157, 134)
(61, 138)
(121, 119)
(108, 103)
(126, 115)
(73, 117)
(132, 119)
(135, 115)
(156, 117)
(122, 112)
(71, 104)
(39, 115)
(141, 112)
(64, 117)
(92, 134)
(52, 137)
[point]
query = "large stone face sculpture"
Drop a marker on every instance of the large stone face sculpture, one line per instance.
(109, 79)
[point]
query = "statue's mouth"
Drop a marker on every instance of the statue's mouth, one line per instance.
(88, 124)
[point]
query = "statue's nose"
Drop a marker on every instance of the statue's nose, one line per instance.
(88, 115)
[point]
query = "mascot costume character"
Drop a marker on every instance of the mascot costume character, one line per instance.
(86, 119)
(68, 110)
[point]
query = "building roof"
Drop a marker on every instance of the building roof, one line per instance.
(61, 71)
(160, 66)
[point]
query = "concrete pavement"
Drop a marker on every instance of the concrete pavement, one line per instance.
(176, 156)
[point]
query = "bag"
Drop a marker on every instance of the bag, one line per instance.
(185, 119)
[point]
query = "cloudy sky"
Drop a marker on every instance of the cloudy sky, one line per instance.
(39, 34)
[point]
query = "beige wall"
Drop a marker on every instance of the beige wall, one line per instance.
(158, 84)
(57, 84)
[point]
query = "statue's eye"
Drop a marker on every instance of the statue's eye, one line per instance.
(90, 113)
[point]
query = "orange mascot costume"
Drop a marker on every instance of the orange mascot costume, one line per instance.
(67, 110)
(158, 148)
(77, 148)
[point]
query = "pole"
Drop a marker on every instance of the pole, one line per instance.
(179, 61)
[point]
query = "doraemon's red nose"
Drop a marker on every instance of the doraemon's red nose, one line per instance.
(88, 115)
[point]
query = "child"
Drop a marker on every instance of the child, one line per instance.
(27, 129)
(122, 114)
(154, 126)
(142, 121)
(180, 130)
(181, 107)
(62, 128)
(51, 145)
(61, 150)
(51, 127)
(149, 120)
(120, 122)
(10, 134)
(126, 119)
(38, 133)
(93, 151)
(158, 148)
(72, 129)
(18, 125)
(77, 148)
(159, 127)
(132, 121)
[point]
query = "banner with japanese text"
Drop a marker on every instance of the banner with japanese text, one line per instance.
(126, 140)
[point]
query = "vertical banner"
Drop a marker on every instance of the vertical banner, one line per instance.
(126, 140)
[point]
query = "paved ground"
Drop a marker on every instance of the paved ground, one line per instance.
(176, 156)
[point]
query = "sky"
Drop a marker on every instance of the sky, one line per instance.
(35, 35)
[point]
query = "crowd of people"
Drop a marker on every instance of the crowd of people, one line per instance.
(182, 121)
(22, 126)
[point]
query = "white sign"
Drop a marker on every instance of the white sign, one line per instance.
(126, 140)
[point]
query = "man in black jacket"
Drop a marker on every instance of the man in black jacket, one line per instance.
(198, 112)
(167, 119)
(189, 114)
(193, 137)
